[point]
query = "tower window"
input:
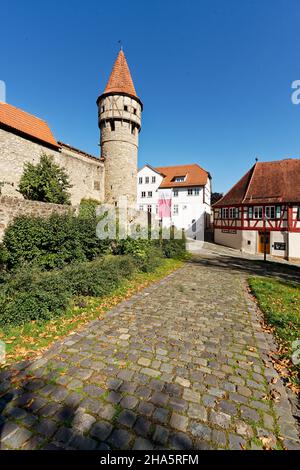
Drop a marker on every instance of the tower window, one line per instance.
(102, 109)
(133, 129)
(125, 108)
(134, 111)
(112, 125)
(97, 185)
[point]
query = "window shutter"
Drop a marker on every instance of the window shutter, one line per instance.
(278, 212)
(250, 212)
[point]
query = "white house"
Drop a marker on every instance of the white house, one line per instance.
(186, 190)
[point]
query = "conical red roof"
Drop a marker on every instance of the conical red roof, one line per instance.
(120, 78)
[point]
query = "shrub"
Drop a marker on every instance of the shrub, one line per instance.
(45, 182)
(87, 208)
(174, 248)
(52, 242)
(32, 296)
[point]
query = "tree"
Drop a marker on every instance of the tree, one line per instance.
(215, 197)
(45, 182)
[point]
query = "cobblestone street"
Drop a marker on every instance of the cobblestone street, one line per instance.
(181, 365)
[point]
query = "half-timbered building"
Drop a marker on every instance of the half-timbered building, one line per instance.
(261, 212)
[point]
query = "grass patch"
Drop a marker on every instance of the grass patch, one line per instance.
(29, 340)
(280, 303)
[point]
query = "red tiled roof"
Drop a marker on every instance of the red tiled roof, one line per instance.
(26, 123)
(120, 78)
(266, 182)
(194, 175)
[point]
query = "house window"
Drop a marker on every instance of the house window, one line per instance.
(147, 179)
(175, 209)
(156, 208)
(140, 180)
(233, 213)
(141, 207)
(97, 185)
(149, 208)
(224, 213)
(270, 212)
(179, 179)
(298, 213)
(175, 192)
(149, 193)
(258, 212)
(153, 179)
(190, 191)
(196, 191)
(143, 194)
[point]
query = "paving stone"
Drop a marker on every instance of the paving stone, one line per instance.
(200, 430)
(82, 421)
(218, 438)
(17, 439)
(159, 398)
(197, 411)
(142, 426)
(46, 428)
(179, 422)
(143, 361)
(150, 372)
(145, 409)
(142, 444)
(120, 439)
(180, 441)
(190, 395)
(101, 430)
(249, 413)
(160, 435)
(183, 382)
(127, 418)
(129, 402)
(161, 415)
(83, 443)
(236, 442)
(221, 419)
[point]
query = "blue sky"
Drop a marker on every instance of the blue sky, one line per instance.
(215, 76)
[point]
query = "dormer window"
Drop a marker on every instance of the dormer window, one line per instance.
(179, 179)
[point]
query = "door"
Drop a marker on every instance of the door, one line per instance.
(261, 242)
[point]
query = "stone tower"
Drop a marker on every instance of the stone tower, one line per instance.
(119, 117)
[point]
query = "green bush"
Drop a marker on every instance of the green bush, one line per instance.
(35, 295)
(46, 182)
(30, 296)
(52, 242)
(174, 248)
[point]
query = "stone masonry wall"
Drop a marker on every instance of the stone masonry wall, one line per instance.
(86, 174)
(10, 208)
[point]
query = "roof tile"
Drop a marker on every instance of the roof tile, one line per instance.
(120, 79)
(26, 123)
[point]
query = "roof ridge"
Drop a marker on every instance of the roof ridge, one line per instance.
(23, 111)
(250, 181)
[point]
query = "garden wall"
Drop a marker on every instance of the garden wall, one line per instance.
(10, 208)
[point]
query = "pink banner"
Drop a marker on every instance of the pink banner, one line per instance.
(165, 204)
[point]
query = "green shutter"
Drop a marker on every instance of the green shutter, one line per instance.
(250, 212)
(278, 212)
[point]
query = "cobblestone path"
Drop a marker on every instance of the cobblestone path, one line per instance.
(181, 365)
